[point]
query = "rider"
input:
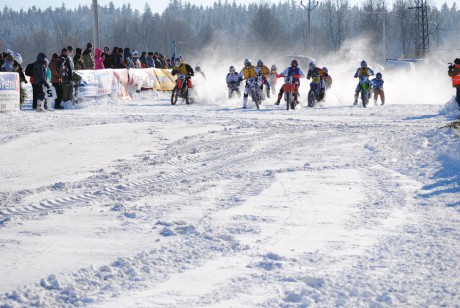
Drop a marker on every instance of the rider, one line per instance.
(377, 85)
(360, 72)
(316, 73)
(233, 78)
(272, 78)
(181, 68)
(263, 71)
(296, 73)
(248, 73)
(326, 77)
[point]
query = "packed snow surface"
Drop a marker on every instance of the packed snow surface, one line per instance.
(143, 204)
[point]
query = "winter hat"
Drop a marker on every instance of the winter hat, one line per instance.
(64, 50)
(9, 58)
(18, 58)
(70, 48)
(10, 52)
(106, 49)
(150, 53)
(55, 56)
(89, 46)
(78, 51)
(457, 61)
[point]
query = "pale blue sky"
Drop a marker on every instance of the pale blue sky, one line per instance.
(156, 5)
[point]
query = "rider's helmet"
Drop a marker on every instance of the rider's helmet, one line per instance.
(379, 75)
(177, 62)
(363, 64)
(197, 69)
(312, 65)
(247, 62)
(260, 63)
(294, 63)
(231, 69)
(273, 68)
(324, 69)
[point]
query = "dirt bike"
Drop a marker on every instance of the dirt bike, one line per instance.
(232, 88)
(365, 89)
(254, 89)
(290, 92)
(316, 93)
(182, 90)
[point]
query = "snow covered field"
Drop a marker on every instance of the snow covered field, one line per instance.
(143, 204)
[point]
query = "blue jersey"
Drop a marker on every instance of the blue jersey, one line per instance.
(377, 83)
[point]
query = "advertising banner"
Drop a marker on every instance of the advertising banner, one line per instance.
(9, 92)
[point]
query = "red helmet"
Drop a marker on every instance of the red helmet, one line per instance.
(294, 63)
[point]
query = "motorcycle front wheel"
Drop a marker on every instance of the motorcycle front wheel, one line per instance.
(311, 99)
(174, 95)
(364, 98)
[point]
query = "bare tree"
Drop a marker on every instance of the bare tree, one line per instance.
(335, 21)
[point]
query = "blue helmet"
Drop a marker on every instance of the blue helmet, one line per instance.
(379, 75)
(363, 63)
(260, 63)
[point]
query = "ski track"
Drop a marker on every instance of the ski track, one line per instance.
(412, 261)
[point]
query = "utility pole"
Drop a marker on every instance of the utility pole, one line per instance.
(309, 10)
(438, 28)
(422, 27)
(95, 26)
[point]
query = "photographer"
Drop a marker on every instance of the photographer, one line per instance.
(454, 72)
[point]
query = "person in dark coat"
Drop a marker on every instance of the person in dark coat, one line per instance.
(119, 61)
(156, 59)
(56, 79)
(78, 61)
(40, 79)
(109, 57)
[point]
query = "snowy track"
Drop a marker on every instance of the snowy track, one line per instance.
(147, 205)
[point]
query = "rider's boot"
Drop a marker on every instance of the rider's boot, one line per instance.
(279, 99)
(383, 103)
(245, 101)
(356, 99)
(268, 93)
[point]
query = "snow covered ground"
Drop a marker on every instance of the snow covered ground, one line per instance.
(143, 204)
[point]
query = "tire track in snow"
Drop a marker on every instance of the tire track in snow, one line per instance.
(232, 153)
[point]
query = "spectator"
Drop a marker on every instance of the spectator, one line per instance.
(1, 59)
(162, 60)
(56, 79)
(119, 61)
(454, 72)
(143, 59)
(40, 79)
(135, 59)
(18, 68)
(109, 57)
(78, 61)
(67, 74)
(58, 75)
(88, 58)
(127, 57)
(98, 59)
(149, 60)
(8, 64)
(156, 58)
(168, 63)
(69, 56)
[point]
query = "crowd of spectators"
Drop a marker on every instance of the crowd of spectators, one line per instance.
(60, 70)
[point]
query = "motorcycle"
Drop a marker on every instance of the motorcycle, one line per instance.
(254, 89)
(182, 90)
(291, 89)
(316, 93)
(366, 89)
(232, 88)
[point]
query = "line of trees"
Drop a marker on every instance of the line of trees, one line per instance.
(229, 26)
